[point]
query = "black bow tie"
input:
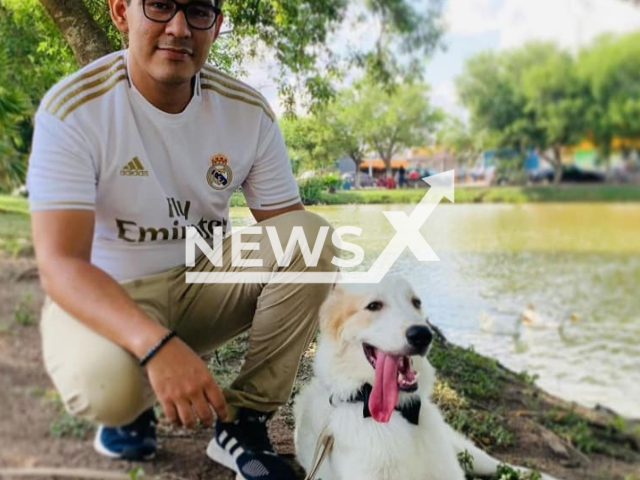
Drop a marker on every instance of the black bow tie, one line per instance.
(410, 411)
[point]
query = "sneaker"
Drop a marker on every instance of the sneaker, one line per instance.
(136, 441)
(244, 447)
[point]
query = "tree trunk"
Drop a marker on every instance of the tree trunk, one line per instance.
(85, 37)
(557, 165)
(387, 164)
(357, 175)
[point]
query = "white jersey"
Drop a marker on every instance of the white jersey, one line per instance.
(99, 145)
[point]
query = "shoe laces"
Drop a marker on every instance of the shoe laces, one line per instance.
(143, 426)
(254, 432)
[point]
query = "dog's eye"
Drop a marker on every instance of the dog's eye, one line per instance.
(374, 306)
(416, 302)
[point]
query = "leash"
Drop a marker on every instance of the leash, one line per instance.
(323, 449)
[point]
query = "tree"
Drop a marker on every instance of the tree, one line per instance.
(308, 142)
(294, 32)
(29, 65)
(396, 119)
(344, 121)
(456, 137)
(84, 35)
(557, 100)
(524, 98)
(14, 109)
(611, 70)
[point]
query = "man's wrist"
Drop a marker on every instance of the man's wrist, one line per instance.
(146, 338)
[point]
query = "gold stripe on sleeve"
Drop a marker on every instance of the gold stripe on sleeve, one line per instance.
(91, 96)
(87, 86)
(297, 197)
(74, 81)
(234, 86)
(215, 71)
(73, 204)
(256, 103)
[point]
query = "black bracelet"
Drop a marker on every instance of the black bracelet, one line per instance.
(144, 360)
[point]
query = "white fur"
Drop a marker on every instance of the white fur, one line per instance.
(364, 448)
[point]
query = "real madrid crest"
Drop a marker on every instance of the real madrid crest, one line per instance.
(219, 175)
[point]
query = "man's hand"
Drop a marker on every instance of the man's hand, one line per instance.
(184, 387)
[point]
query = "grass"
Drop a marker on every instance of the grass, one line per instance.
(473, 194)
(507, 194)
(64, 425)
(23, 313)
(15, 225)
(11, 204)
(611, 440)
(467, 384)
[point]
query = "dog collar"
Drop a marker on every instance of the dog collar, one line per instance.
(410, 411)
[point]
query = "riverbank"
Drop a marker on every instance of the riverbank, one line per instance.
(481, 194)
(502, 411)
(15, 226)
(463, 194)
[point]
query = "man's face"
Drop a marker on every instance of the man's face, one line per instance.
(170, 53)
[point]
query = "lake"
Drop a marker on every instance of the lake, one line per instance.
(571, 271)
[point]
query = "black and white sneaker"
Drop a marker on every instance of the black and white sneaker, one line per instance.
(244, 447)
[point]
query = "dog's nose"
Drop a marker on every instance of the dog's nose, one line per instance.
(419, 337)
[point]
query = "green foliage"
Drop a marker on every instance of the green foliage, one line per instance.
(506, 194)
(33, 56)
(136, 473)
(466, 461)
(529, 97)
(297, 34)
(14, 112)
(543, 97)
(15, 225)
(503, 472)
(479, 376)
(100, 12)
(23, 314)
(396, 119)
(68, 426)
(457, 138)
(361, 119)
(311, 190)
(477, 381)
(65, 425)
(610, 68)
(308, 143)
(227, 360)
(572, 427)
(332, 181)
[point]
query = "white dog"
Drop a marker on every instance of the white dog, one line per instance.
(372, 389)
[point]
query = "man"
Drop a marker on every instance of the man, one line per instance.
(127, 154)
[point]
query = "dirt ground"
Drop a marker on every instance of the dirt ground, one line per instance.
(36, 433)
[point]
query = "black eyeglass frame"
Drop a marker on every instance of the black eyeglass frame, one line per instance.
(184, 7)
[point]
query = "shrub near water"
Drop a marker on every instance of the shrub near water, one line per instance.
(311, 190)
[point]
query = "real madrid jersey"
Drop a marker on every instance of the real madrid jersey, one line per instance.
(148, 175)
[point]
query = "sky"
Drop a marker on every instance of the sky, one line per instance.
(478, 25)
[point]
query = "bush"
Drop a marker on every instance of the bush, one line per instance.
(311, 190)
(332, 181)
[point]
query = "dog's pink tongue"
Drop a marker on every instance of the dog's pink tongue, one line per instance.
(384, 396)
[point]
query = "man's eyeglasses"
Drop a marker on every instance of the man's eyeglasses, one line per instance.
(199, 15)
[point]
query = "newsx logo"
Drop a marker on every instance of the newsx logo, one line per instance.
(178, 210)
(407, 235)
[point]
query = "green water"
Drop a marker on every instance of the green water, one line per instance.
(574, 269)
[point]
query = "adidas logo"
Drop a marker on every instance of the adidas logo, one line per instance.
(134, 169)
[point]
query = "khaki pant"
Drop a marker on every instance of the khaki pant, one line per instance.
(103, 383)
